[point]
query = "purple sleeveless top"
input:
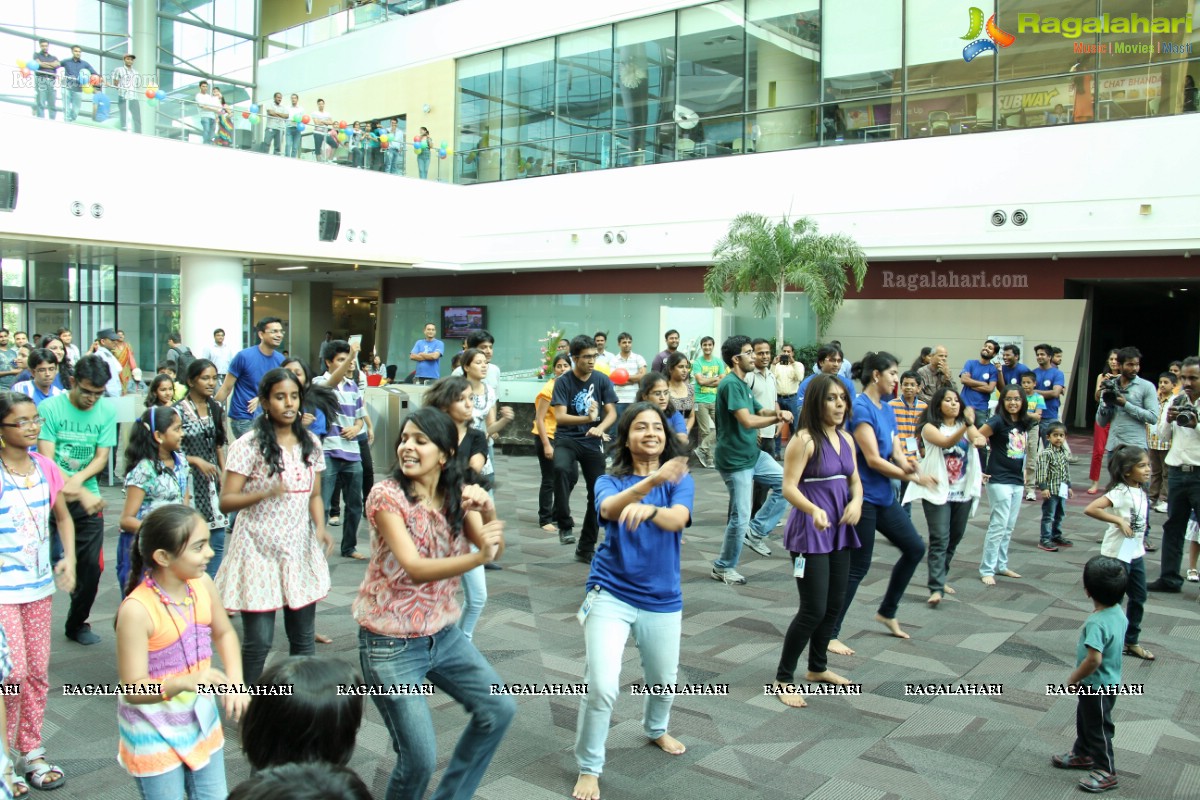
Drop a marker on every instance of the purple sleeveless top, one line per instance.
(826, 484)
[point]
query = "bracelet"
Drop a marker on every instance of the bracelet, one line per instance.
(163, 691)
(653, 514)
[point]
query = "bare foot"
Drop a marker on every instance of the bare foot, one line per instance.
(828, 676)
(550, 527)
(949, 589)
(839, 649)
(1008, 573)
(587, 787)
(670, 745)
(322, 639)
(934, 598)
(893, 626)
(988, 580)
(787, 694)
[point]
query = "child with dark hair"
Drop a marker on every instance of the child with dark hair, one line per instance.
(158, 475)
(1008, 434)
(168, 626)
(1126, 509)
(1054, 482)
(204, 449)
(302, 782)
(1168, 384)
(161, 391)
(1099, 665)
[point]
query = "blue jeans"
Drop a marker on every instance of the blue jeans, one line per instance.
(454, 666)
(899, 530)
(1005, 499)
(208, 129)
(423, 164)
(1135, 590)
(274, 137)
(71, 102)
(293, 142)
(45, 97)
(240, 426)
(474, 585)
(351, 493)
(258, 634)
(1052, 517)
(206, 783)
(216, 540)
(740, 484)
(605, 632)
(393, 160)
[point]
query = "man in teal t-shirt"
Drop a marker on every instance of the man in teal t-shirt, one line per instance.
(706, 374)
(78, 431)
(742, 464)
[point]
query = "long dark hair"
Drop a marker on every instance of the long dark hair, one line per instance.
(622, 459)
(441, 430)
(1022, 419)
(1120, 461)
(647, 383)
(264, 427)
(871, 363)
(152, 389)
(215, 411)
(932, 415)
(920, 361)
(811, 413)
(672, 362)
(142, 444)
(165, 528)
(315, 396)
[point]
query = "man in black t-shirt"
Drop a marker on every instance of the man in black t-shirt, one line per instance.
(584, 404)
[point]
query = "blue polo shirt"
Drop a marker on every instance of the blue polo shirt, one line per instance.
(249, 366)
(429, 369)
(980, 372)
(849, 384)
(1012, 377)
(877, 488)
(1045, 380)
(71, 70)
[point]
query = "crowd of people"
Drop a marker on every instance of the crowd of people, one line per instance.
(231, 470)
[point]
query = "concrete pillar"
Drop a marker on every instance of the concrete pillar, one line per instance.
(210, 288)
(143, 43)
(781, 83)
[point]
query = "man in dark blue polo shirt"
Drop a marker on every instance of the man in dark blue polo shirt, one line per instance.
(45, 66)
(979, 378)
(246, 370)
(73, 84)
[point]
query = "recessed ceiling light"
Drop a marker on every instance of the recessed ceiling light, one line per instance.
(290, 269)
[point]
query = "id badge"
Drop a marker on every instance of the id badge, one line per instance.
(798, 567)
(1063, 490)
(586, 608)
(43, 562)
(910, 445)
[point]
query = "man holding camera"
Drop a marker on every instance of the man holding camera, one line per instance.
(788, 374)
(1178, 426)
(1130, 403)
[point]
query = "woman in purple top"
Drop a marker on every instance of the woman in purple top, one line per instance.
(820, 479)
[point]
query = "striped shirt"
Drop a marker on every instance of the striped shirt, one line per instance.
(31, 390)
(906, 425)
(26, 572)
(350, 409)
(157, 737)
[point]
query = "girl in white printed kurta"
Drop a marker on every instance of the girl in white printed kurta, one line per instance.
(274, 556)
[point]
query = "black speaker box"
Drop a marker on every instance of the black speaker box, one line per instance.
(8, 190)
(331, 223)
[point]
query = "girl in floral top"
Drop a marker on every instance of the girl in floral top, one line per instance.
(275, 559)
(204, 448)
(423, 521)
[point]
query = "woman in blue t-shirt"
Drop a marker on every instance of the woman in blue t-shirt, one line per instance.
(654, 388)
(634, 585)
(1008, 435)
(880, 459)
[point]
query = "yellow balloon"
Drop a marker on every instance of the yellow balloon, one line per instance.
(449, 151)
(602, 366)
(87, 89)
(20, 63)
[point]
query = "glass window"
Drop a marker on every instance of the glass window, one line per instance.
(585, 82)
(1137, 92)
(1035, 54)
(97, 282)
(933, 47)
(94, 318)
(644, 72)
(14, 278)
(137, 287)
(583, 153)
(480, 80)
(712, 61)
(168, 288)
(526, 160)
(1158, 33)
(861, 50)
(945, 113)
(1032, 103)
(51, 281)
(782, 130)
(637, 146)
(783, 53)
(718, 136)
(13, 316)
(528, 92)
(859, 120)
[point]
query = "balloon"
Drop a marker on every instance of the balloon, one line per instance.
(21, 63)
(245, 115)
(384, 145)
(384, 139)
(300, 127)
(96, 80)
(149, 94)
(443, 144)
(254, 108)
(152, 102)
(417, 146)
(342, 137)
(88, 89)
(449, 151)
(25, 73)
(306, 119)
(619, 376)
(254, 119)
(160, 95)
(441, 153)
(342, 125)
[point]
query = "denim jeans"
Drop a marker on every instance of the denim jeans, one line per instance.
(393, 160)
(898, 493)
(947, 523)
(258, 633)
(72, 100)
(349, 475)
(45, 101)
(274, 137)
(130, 108)
(1005, 499)
(1135, 590)
(423, 164)
(240, 426)
(1052, 517)
(1183, 499)
(740, 484)
(605, 632)
(208, 129)
(216, 540)
(206, 783)
(293, 142)
(899, 530)
(455, 667)
(474, 585)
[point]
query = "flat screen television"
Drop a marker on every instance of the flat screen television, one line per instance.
(458, 322)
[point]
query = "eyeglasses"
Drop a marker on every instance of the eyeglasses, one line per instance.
(592, 357)
(89, 393)
(45, 371)
(24, 424)
(663, 393)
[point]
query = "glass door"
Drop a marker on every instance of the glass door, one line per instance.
(49, 317)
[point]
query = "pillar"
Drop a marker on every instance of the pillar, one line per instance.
(143, 43)
(210, 290)
(794, 82)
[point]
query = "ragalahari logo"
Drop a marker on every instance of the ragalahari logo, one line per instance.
(987, 43)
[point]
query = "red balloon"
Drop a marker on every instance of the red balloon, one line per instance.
(95, 80)
(306, 119)
(245, 115)
(342, 125)
(149, 94)
(619, 376)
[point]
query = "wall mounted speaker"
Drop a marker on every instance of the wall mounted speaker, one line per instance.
(1020, 217)
(331, 224)
(8, 190)
(999, 218)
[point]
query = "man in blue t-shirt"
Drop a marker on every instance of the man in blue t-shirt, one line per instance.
(1011, 368)
(428, 354)
(585, 407)
(1049, 382)
(245, 371)
(979, 377)
(830, 362)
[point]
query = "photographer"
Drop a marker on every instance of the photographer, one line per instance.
(788, 374)
(1178, 426)
(1128, 403)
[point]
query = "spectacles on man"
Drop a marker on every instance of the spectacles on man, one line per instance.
(24, 424)
(89, 392)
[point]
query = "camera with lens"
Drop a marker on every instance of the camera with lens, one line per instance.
(784, 358)
(1110, 388)
(1186, 413)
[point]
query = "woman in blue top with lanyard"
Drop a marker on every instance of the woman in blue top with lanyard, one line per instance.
(634, 586)
(881, 458)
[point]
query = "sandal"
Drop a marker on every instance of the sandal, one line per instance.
(1137, 651)
(19, 786)
(1193, 576)
(39, 773)
(1097, 781)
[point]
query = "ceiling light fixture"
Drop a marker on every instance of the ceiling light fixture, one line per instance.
(290, 269)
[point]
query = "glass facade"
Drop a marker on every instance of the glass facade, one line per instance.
(741, 76)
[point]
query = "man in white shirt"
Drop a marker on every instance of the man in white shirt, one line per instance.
(294, 114)
(1183, 470)
(762, 385)
(788, 374)
(220, 354)
(277, 115)
(322, 123)
(208, 107)
(393, 156)
(633, 364)
(126, 81)
(108, 341)
(602, 355)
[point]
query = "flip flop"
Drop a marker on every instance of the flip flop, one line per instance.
(1137, 651)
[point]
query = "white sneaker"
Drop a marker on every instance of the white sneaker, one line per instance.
(729, 576)
(1161, 507)
(1031, 495)
(757, 543)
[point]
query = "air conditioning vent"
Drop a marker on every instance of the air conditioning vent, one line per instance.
(1020, 217)
(97, 210)
(999, 218)
(77, 209)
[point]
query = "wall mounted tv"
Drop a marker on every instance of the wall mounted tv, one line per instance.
(458, 322)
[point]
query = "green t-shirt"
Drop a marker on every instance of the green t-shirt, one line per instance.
(1104, 632)
(709, 368)
(737, 447)
(77, 434)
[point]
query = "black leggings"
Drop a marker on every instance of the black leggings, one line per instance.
(822, 592)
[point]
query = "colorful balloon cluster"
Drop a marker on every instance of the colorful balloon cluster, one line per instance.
(153, 95)
(442, 151)
(26, 67)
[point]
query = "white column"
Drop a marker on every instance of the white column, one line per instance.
(210, 290)
(143, 43)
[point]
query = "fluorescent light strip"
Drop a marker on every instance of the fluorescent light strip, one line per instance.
(289, 269)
